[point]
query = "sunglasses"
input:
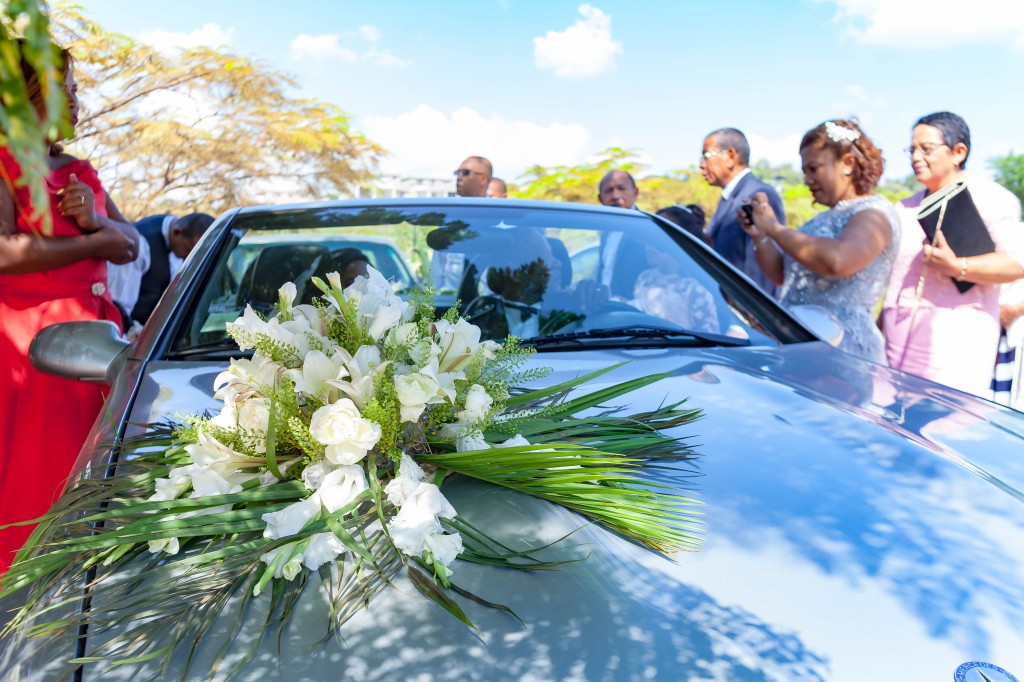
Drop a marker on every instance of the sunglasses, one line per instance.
(465, 172)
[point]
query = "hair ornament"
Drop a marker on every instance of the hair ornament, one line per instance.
(840, 133)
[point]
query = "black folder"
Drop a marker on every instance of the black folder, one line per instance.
(962, 225)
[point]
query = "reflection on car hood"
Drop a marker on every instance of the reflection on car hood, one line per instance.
(860, 524)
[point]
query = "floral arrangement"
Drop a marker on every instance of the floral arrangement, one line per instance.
(327, 457)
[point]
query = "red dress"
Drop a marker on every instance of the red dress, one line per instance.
(44, 420)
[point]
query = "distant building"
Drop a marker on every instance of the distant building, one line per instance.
(396, 186)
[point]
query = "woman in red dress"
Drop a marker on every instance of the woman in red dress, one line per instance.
(44, 420)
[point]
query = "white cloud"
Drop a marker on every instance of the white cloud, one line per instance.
(859, 102)
(370, 34)
(584, 49)
(208, 35)
(930, 24)
(328, 46)
(776, 151)
(428, 142)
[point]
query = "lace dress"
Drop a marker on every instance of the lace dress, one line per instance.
(851, 299)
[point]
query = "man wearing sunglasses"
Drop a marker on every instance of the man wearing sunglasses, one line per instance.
(472, 177)
(447, 268)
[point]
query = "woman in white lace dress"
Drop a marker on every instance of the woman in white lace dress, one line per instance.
(840, 259)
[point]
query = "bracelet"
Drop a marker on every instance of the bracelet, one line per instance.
(963, 269)
(761, 242)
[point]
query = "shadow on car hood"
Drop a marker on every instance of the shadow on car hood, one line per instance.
(860, 524)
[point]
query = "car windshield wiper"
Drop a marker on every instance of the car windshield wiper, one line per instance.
(633, 336)
(221, 348)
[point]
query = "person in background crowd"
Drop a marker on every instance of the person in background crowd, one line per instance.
(618, 188)
(170, 241)
(497, 189)
(447, 268)
(942, 334)
(621, 258)
(689, 217)
(44, 419)
(839, 259)
(472, 177)
(1008, 378)
(724, 161)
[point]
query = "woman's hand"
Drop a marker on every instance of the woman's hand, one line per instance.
(78, 203)
(114, 246)
(941, 258)
(764, 222)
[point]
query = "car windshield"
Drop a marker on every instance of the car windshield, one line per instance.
(546, 274)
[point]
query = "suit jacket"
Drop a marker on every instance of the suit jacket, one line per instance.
(729, 239)
(156, 279)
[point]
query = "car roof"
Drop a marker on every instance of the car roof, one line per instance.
(442, 202)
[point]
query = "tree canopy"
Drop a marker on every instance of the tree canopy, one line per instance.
(1010, 173)
(202, 129)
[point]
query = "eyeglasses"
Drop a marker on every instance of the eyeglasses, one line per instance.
(465, 172)
(714, 152)
(925, 149)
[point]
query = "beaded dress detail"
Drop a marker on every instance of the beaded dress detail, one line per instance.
(851, 299)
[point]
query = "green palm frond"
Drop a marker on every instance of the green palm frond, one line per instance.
(604, 486)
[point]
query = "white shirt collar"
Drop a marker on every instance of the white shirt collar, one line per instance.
(729, 188)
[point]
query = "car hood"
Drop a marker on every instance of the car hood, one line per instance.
(860, 523)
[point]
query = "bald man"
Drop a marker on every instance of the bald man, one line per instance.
(473, 176)
(497, 189)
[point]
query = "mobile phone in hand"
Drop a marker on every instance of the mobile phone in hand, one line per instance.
(748, 210)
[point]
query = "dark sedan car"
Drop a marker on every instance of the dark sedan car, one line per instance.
(860, 523)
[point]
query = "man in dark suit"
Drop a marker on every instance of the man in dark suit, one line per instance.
(170, 241)
(725, 163)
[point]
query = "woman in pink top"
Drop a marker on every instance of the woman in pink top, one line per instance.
(944, 335)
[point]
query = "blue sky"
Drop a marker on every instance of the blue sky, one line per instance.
(554, 82)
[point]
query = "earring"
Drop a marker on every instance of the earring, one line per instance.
(847, 172)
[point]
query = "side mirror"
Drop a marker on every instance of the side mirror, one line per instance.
(81, 351)
(820, 322)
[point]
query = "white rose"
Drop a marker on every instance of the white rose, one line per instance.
(410, 534)
(322, 548)
(254, 415)
(341, 486)
(415, 392)
(425, 500)
(313, 475)
(291, 519)
(347, 437)
(478, 402)
(405, 483)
